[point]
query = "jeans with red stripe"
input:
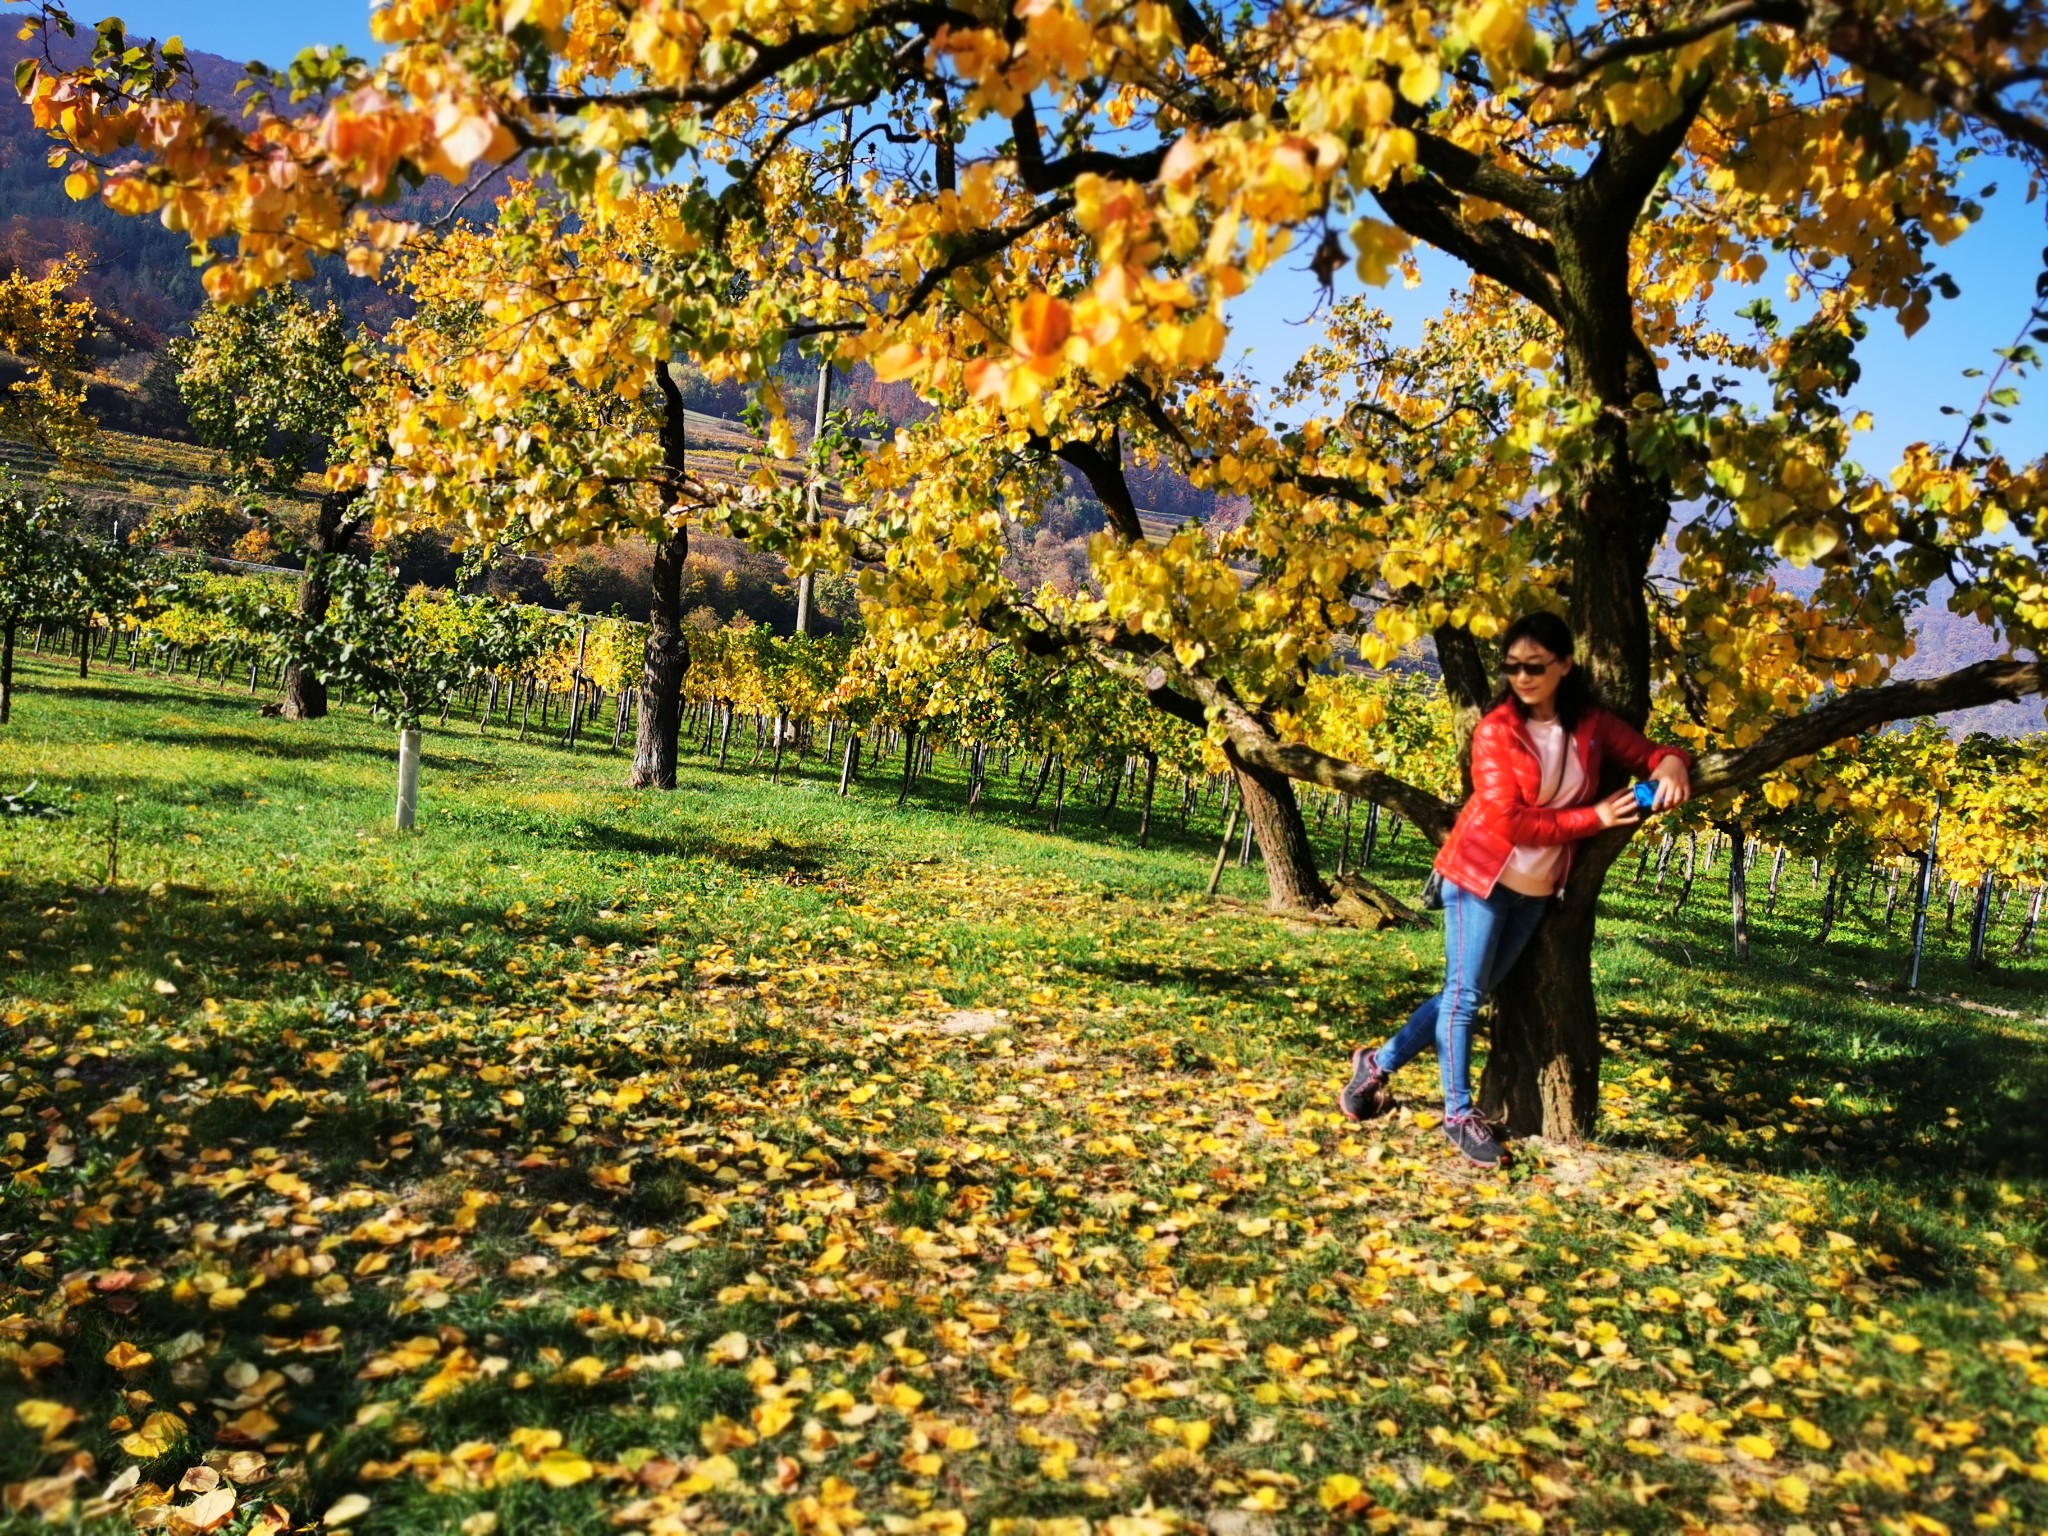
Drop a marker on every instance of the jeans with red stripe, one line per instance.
(1483, 938)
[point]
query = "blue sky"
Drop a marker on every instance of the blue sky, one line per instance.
(1906, 381)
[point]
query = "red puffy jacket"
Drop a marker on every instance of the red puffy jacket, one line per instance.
(1507, 777)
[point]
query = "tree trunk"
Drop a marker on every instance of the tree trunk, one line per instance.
(1059, 796)
(1292, 882)
(1692, 847)
(1038, 789)
(657, 739)
(1777, 869)
(851, 766)
(1145, 816)
(1223, 849)
(1923, 890)
(305, 696)
(1827, 906)
(725, 738)
(1738, 891)
(85, 643)
(909, 763)
(7, 674)
(1543, 1069)
(2022, 945)
(1980, 921)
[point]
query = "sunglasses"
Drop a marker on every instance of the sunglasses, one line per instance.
(1526, 668)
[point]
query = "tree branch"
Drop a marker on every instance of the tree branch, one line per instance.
(1252, 741)
(1428, 209)
(769, 60)
(1475, 176)
(1578, 70)
(1104, 470)
(1985, 682)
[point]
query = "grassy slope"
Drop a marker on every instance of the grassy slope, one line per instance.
(443, 1147)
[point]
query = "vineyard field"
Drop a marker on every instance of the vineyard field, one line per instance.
(745, 1156)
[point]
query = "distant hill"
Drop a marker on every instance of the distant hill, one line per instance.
(141, 277)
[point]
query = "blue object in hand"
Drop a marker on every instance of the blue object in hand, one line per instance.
(1646, 795)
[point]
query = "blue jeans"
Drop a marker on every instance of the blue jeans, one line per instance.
(1483, 937)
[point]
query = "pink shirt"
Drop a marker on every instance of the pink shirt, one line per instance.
(1533, 871)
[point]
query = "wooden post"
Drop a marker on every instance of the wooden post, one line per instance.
(1738, 890)
(1920, 896)
(1980, 920)
(2024, 944)
(576, 682)
(1151, 778)
(1222, 850)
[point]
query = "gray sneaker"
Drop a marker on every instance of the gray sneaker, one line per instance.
(1474, 1138)
(1366, 1095)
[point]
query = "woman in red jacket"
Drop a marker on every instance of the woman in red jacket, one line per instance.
(1537, 756)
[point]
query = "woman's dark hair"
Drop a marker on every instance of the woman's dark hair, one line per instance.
(1576, 697)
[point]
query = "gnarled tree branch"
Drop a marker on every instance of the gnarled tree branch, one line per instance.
(1865, 709)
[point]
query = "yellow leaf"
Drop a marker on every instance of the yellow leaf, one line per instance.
(1758, 1446)
(563, 1469)
(209, 1511)
(45, 1417)
(1792, 1492)
(159, 1432)
(1904, 1343)
(1338, 1489)
(1811, 1435)
(346, 1508)
(712, 1472)
(730, 1348)
(124, 1356)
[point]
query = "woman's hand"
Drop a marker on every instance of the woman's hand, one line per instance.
(1620, 809)
(1674, 783)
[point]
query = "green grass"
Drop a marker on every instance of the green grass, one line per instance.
(575, 1074)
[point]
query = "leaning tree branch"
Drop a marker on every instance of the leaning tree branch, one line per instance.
(1984, 682)
(1252, 742)
(1473, 175)
(1429, 210)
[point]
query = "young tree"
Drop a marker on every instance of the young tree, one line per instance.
(585, 444)
(269, 384)
(403, 654)
(46, 331)
(31, 572)
(1080, 195)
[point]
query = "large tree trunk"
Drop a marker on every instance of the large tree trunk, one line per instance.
(1292, 882)
(1543, 1069)
(305, 696)
(657, 741)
